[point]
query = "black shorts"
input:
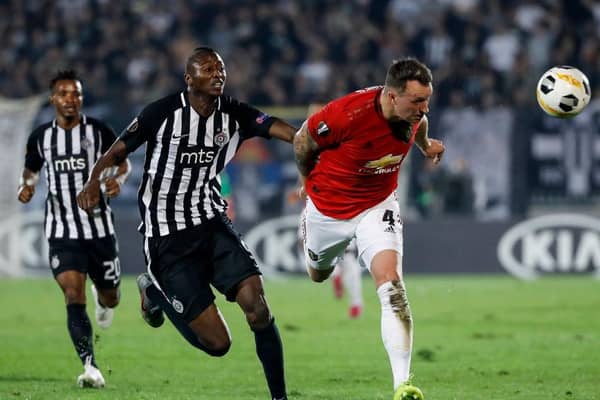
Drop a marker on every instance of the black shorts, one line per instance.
(99, 258)
(187, 262)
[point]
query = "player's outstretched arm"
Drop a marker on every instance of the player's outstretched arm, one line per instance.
(282, 130)
(431, 148)
(27, 183)
(89, 197)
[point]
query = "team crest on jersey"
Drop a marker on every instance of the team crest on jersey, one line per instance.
(221, 138)
(177, 305)
(133, 126)
(262, 117)
(55, 262)
(85, 143)
(322, 129)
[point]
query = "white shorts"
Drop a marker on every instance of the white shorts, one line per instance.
(376, 229)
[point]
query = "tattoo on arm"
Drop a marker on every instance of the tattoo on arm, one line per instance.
(306, 151)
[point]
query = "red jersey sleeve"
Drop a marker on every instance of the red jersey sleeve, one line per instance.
(326, 126)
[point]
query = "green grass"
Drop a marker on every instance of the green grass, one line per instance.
(476, 338)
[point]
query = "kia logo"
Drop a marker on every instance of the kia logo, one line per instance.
(555, 243)
(275, 245)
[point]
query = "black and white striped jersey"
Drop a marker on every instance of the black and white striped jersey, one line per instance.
(67, 157)
(185, 152)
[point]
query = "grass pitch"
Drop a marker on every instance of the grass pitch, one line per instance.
(476, 338)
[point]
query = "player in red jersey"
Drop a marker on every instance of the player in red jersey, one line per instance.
(349, 156)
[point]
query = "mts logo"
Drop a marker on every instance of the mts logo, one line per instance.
(69, 163)
(196, 156)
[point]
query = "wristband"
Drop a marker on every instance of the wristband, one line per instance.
(31, 181)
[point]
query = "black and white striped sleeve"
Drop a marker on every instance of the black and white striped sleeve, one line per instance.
(253, 122)
(33, 156)
(107, 135)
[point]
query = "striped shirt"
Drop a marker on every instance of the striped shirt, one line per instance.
(67, 156)
(185, 152)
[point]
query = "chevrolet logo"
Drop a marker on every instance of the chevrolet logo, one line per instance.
(384, 161)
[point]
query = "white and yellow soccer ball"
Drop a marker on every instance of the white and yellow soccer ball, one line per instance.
(563, 91)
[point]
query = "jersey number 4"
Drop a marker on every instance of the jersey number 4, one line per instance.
(388, 216)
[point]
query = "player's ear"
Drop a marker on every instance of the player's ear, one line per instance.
(187, 78)
(391, 96)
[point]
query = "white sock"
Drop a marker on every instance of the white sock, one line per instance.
(352, 279)
(338, 270)
(396, 329)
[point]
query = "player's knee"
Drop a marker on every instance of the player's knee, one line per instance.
(74, 294)
(259, 317)
(217, 347)
(111, 303)
(110, 300)
(319, 275)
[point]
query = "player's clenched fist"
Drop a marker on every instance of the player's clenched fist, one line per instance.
(25, 193)
(89, 197)
(435, 150)
(113, 187)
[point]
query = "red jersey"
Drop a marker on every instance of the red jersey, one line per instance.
(360, 157)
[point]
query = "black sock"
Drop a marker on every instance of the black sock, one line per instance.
(80, 330)
(270, 352)
(158, 298)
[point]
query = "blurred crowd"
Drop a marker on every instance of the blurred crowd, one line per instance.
(486, 57)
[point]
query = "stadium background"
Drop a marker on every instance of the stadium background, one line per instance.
(506, 162)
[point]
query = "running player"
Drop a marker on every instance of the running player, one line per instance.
(349, 156)
(190, 244)
(80, 244)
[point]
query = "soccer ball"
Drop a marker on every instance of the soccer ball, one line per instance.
(563, 91)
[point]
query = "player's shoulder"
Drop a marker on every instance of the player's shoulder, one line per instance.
(363, 99)
(360, 103)
(97, 122)
(165, 105)
(228, 104)
(40, 129)
(242, 111)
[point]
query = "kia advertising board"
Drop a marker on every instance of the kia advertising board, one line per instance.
(554, 243)
(546, 245)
